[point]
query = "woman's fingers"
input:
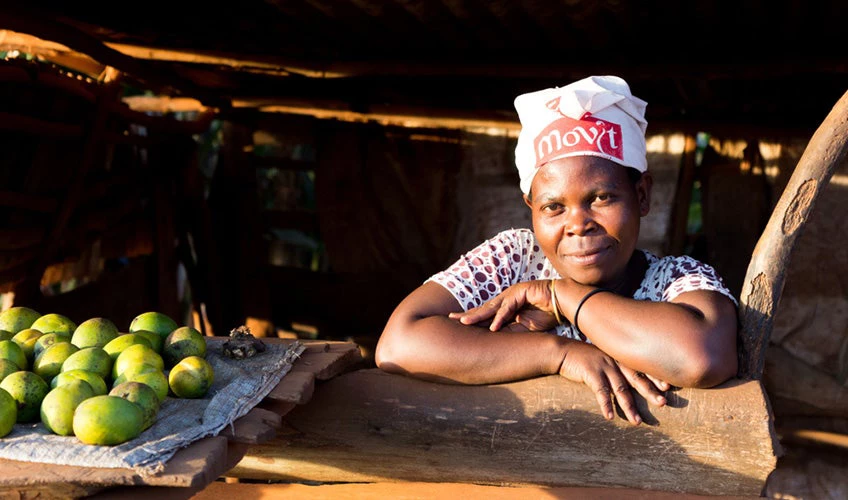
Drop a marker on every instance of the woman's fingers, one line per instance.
(611, 386)
(603, 395)
(479, 313)
(622, 393)
(660, 384)
(644, 385)
(508, 308)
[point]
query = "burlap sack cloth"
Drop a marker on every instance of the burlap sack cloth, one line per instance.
(239, 385)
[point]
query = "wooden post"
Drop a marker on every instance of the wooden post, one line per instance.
(371, 426)
(682, 200)
(766, 274)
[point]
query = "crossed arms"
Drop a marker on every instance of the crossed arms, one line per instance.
(641, 345)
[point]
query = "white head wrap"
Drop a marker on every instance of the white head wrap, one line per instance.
(596, 116)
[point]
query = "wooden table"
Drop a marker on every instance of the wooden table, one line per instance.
(199, 464)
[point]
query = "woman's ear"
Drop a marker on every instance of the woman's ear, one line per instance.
(643, 193)
(527, 200)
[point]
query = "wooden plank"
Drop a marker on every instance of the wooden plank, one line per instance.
(257, 426)
(324, 359)
(370, 426)
(296, 387)
(766, 273)
(191, 467)
(418, 490)
(328, 359)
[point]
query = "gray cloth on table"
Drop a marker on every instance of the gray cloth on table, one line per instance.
(238, 386)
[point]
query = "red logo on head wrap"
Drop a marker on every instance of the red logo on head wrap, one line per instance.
(586, 135)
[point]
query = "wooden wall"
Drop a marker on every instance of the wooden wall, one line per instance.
(88, 195)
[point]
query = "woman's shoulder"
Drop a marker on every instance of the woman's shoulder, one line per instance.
(517, 236)
(672, 275)
(676, 265)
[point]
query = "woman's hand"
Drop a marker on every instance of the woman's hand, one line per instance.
(525, 305)
(587, 364)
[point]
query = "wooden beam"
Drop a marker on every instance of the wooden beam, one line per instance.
(386, 115)
(766, 273)
(163, 104)
(341, 69)
(50, 79)
(564, 72)
(371, 426)
(163, 80)
(241, 62)
(495, 122)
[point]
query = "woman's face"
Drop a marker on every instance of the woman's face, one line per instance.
(586, 214)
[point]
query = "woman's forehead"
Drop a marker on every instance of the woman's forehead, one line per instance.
(579, 171)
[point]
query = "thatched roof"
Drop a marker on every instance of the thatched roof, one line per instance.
(772, 65)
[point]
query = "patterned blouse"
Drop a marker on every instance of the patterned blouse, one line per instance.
(514, 256)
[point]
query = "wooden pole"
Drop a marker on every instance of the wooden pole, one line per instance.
(766, 274)
(682, 199)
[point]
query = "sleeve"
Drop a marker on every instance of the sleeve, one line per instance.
(485, 271)
(687, 274)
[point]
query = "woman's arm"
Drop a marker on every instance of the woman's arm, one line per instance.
(688, 342)
(420, 340)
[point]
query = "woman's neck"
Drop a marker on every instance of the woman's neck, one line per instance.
(633, 275)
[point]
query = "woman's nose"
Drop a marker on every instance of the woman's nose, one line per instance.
(579, 222)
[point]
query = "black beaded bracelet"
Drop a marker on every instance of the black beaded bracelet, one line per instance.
(583, 301)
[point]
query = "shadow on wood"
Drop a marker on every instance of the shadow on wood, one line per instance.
(371, 426)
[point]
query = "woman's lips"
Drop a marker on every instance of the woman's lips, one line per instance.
(587, 257)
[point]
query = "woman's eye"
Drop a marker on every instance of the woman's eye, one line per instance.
(551, 207)
(602, 197)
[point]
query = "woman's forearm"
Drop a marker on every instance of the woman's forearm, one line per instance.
(441, 349)
(691, 343)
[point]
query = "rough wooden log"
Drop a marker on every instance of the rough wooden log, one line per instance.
(370, 426)
(765, 277)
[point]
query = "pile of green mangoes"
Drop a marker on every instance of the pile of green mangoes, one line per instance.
(92, 381)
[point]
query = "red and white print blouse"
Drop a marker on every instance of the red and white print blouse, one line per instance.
(514, 256)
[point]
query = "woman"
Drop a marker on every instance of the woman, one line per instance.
(624, 319)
